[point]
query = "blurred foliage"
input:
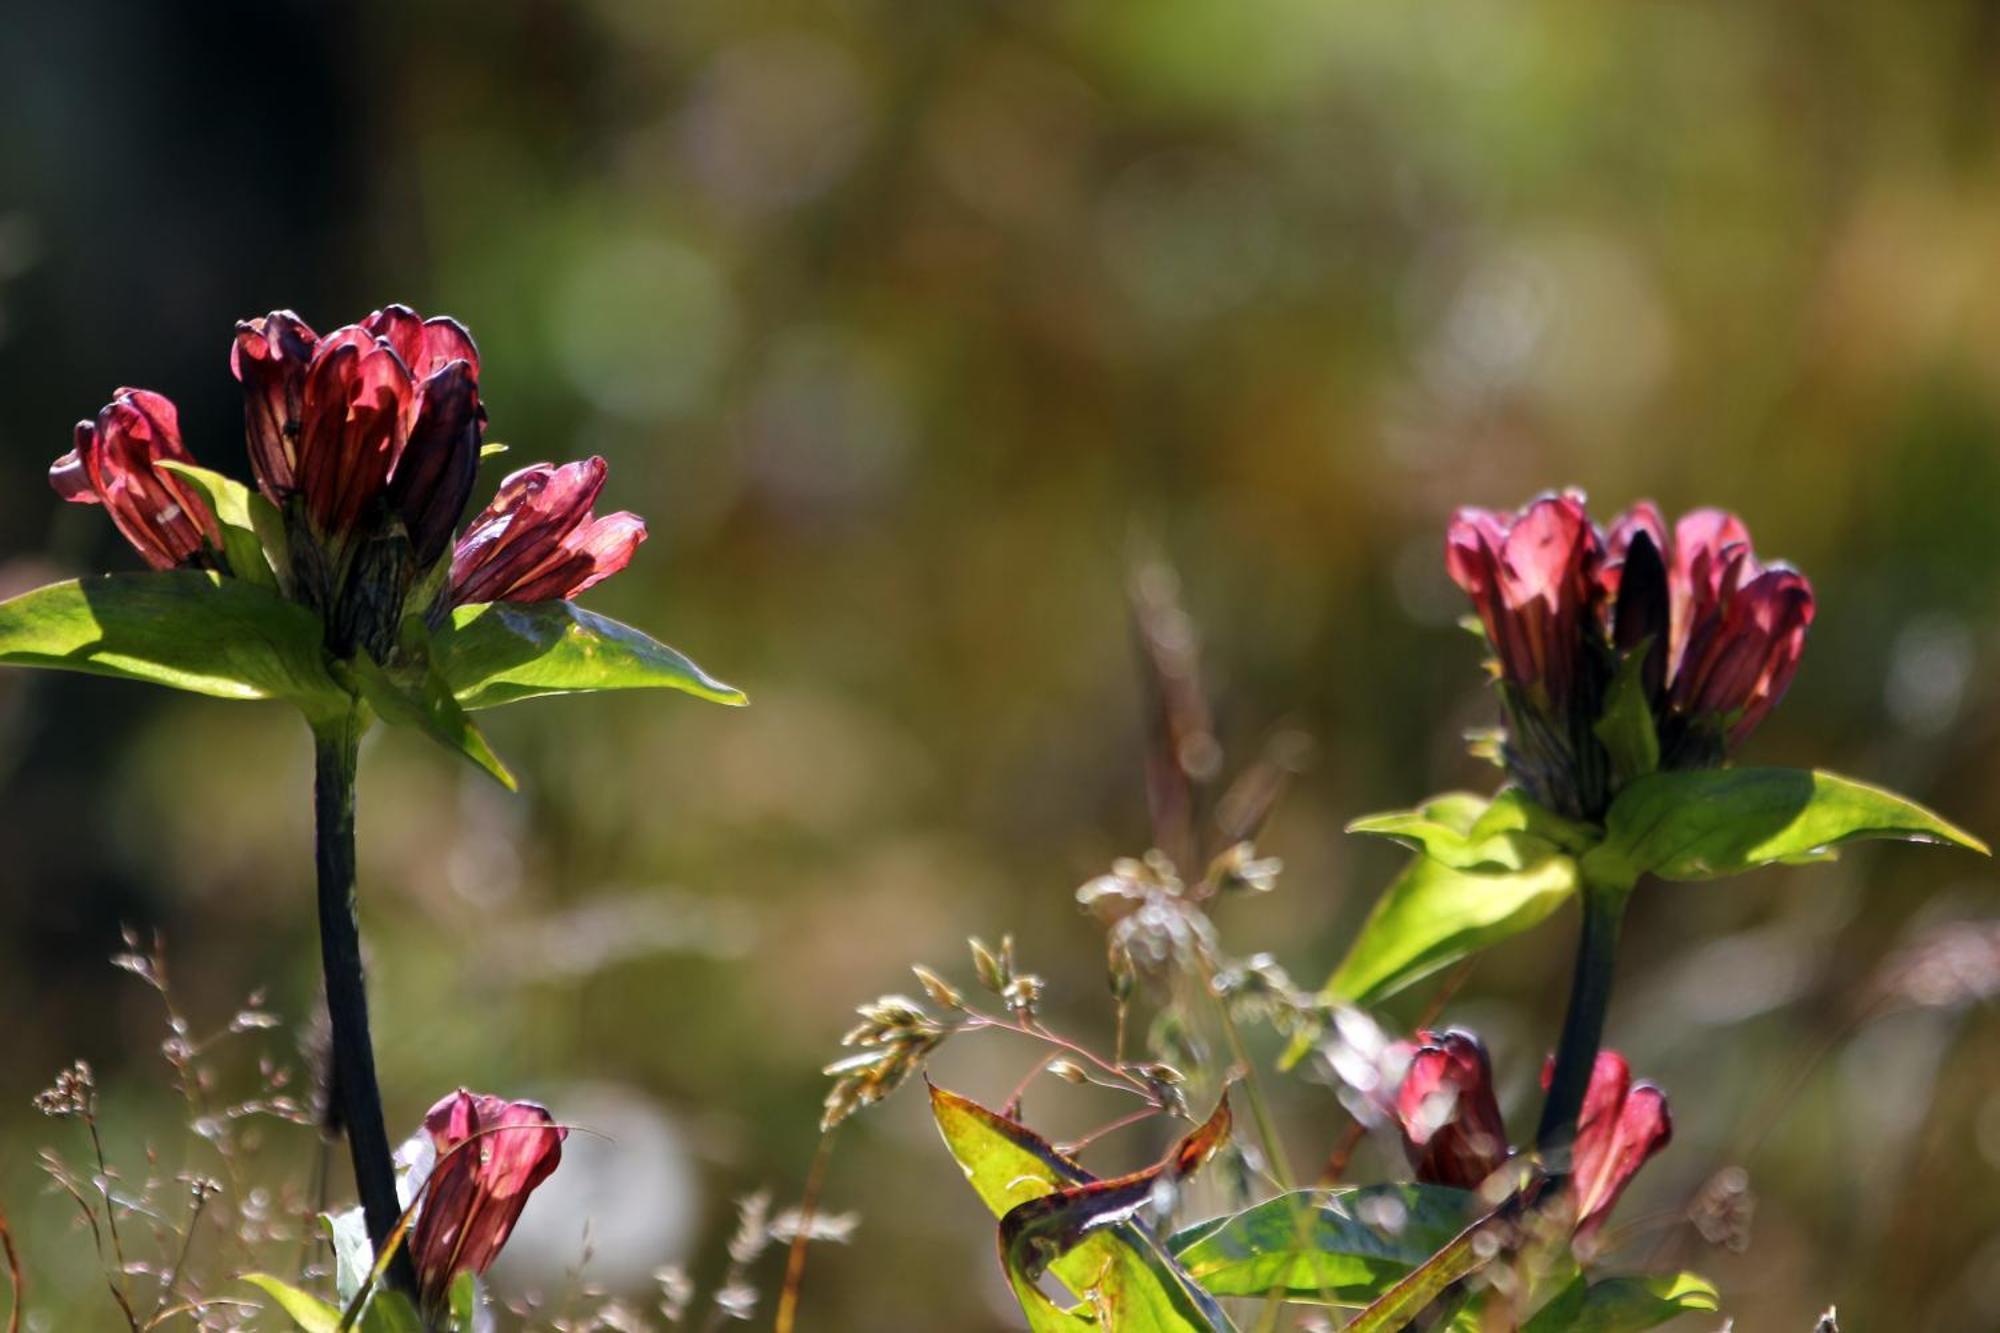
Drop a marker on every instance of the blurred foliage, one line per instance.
(898, 321)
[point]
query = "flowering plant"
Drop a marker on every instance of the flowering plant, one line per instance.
(343, 584)
(1630, 664)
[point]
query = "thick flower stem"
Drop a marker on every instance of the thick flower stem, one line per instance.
(336, 744)
(1583, 1024)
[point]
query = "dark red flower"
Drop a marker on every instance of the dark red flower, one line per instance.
(491, 1154)
(1446, 1110)
(1453, 1134)
(116, 463)
(538, 539)
(1533, 579)
(1731, 635)
(1622, 1125)
(270, 359)
(377, 418)
(1561, 604)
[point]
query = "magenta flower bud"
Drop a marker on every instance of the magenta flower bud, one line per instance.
(270, 359)
(1562, 606)
(434, 473)
(491, 1154)
(1533, 579)
(1445, 1107)
(1530, 578)
(1735, 634)
(1623, 1124)
(538, 539)
(116, 463)
(358, 402)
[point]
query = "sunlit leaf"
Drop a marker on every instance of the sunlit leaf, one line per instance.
(1142, 1290)
(194, 631)
(1433, 915)
(391, 1312)
(427, 706)
(1467, 832)
(465, 1301)
(1710, 823)
(1623, 1304)
(245, 517)
(1334, 1247)
(504, 651)
(1115, 1264)
(307, 1311)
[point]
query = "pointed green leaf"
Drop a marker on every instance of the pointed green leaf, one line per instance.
(1467, 832)
(1131, 1285)
(1709, 823)
(243, 527)
(194, 631)
(308, 1312)
(427, 707)
(1623, 1304)
(1334, 1247)
(1433, 915)
(491, 450)
(503, 651)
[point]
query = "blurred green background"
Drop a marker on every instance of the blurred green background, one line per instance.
(898, 321)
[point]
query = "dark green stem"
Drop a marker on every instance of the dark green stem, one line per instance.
(336, 745)
(1583, 1024)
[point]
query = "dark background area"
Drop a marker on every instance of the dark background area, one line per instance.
(899, 322)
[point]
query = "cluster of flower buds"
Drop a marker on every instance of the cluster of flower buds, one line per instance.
(479, 1158)
(1713, 635)
(1453, 1134)
(367, 442)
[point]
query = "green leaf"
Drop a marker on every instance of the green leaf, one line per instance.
(1626, 725)
(1333, 1247)
(308, 1312)
(493, 450)
(1433, 915)
(391, 1312)
(427, 707)
(1467, 832)
(1623, 1304)
(1131, 1285)
(1710, 823)
(191, 630)
(243, 527)
(503, 651)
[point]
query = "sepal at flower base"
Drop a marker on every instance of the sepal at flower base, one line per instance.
(1707, 824)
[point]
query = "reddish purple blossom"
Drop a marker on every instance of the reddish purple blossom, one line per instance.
(1727, 637)
(491, 1154)
(1622, 1125)
(116, 463)
(539, 540)
(376, 419)
(1453, 1134)
(1562, 603)
(1452, 1130)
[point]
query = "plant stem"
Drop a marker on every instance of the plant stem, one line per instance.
(336, 748)
(1583, 1024)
